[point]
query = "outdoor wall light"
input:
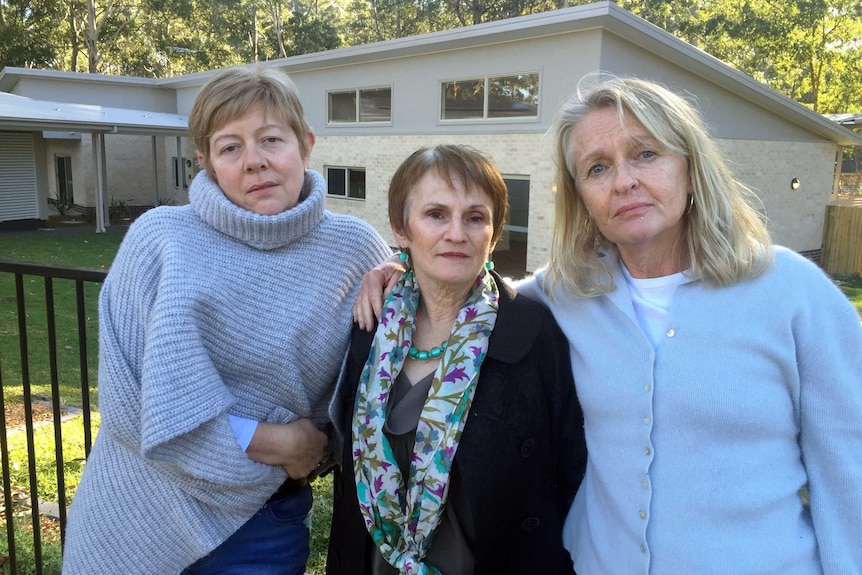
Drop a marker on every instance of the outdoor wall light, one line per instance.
(795, 183)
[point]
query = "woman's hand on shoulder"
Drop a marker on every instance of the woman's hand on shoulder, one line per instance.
(376, 285)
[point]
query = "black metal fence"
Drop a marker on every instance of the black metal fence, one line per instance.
(16, 272)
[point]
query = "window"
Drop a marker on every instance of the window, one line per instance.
(515, 96)
(183, 173)
(519, 204)
(65, 193)
(360, 106)
(346, 183)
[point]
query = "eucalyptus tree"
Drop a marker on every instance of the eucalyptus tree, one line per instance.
(378, 20)
(294, 27)
(109, 24)
(470, 12)
(308, 34)
(29, 34)
(807, 49)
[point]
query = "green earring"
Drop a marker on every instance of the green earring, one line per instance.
(489, 265)
(402, 257)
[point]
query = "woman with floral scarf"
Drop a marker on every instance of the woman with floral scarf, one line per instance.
(463, 436)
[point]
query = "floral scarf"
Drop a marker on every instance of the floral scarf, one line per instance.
(401, 514)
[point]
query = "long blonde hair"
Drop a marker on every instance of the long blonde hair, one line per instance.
(726, 237)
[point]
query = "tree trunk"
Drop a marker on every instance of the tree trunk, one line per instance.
(76, 48)
(92, 37)
(254, 42)
(278, 25)
(477, 9)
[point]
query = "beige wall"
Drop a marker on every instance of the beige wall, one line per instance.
(727, 114)
(130, 168)
(514, 155)
(415, 83)
(172, 194)
(795, 217)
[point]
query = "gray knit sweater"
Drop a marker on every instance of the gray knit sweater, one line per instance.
(208, 310)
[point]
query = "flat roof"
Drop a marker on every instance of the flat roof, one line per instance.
(20, 113)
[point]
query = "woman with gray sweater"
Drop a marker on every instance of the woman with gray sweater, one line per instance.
(216, 364)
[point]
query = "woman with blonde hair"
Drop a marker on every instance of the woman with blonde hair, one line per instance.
(720, 376)
(726, 239)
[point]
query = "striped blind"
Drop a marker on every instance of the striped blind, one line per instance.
(18, 197)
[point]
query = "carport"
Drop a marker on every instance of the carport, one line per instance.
(22, 114)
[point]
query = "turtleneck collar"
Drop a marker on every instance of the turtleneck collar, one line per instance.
(261, 232)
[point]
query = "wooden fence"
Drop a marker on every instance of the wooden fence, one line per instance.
(842, 240)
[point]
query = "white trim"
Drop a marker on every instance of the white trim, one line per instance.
(21, 113)
(357, 92)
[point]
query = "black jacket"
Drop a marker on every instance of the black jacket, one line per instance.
(522, 454)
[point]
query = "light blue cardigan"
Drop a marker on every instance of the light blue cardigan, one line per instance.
(697, 452)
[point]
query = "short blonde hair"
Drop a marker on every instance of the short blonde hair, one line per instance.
(232, 92)
(726, 237)
(452, 162)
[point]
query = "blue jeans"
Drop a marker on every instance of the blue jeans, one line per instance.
(273, 542)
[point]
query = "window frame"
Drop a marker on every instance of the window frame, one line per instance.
(487, 79)
(357, 96)
(508, 225)
(66, 180)
(183, 170)
(347, 193)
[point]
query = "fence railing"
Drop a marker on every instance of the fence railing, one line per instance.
(79, 322)
(842, 240)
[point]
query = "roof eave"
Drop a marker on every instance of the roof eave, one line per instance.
(61, 126)
(11, 75)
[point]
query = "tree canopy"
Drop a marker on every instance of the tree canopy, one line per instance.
(810, 50)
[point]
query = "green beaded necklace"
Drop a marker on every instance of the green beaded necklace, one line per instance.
(432, 353)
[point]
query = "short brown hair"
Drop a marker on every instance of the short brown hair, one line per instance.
(452, 162)
(234, 91)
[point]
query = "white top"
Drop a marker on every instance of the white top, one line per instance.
(651, 299)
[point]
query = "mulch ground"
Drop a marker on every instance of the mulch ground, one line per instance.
(15, 414)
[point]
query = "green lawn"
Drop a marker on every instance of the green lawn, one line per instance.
(852, 288)
(86, 250)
